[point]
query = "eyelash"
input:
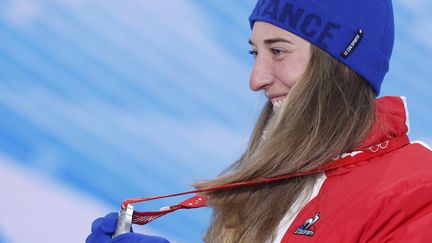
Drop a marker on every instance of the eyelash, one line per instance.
(253, 53)
(275, 51)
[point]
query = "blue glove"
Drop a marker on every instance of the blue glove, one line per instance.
(103, 228)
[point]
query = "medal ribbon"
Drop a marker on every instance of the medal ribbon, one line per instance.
(200, 199)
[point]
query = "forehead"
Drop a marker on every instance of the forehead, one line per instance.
(262, 31)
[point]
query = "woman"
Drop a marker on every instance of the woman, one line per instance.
(357, 176)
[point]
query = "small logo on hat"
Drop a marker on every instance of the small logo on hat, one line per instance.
(308, 227)
(353, 44)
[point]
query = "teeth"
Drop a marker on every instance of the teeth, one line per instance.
(277, 102)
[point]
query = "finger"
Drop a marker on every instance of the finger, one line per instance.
(96, 225)
(109, 223)
(133, 237)
(98, 237)
(90, 239)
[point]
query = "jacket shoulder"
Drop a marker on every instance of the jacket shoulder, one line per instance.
(410, 164)
(377, 197)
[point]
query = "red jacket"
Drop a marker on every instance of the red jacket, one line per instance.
(381, 194)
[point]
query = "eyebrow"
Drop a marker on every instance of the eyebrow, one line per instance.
(272, 41)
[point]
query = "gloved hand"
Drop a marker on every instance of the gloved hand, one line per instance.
(103, 228)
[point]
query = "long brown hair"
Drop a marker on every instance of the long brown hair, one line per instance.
(328, 112)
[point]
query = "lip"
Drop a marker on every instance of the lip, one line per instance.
(276, 97)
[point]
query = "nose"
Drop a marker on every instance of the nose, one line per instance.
(262, 74)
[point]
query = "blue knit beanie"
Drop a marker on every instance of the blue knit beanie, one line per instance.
(359, 33)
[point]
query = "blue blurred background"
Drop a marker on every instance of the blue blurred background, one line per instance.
(106, 100)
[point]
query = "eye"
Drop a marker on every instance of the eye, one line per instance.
(277, 52)
(253, 53)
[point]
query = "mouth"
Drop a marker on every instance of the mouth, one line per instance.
(277, 101)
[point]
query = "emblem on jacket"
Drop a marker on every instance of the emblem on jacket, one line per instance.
(308, 227)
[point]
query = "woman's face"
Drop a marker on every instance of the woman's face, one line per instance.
(281, 59)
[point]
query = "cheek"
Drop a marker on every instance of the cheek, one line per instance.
(290, 71)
